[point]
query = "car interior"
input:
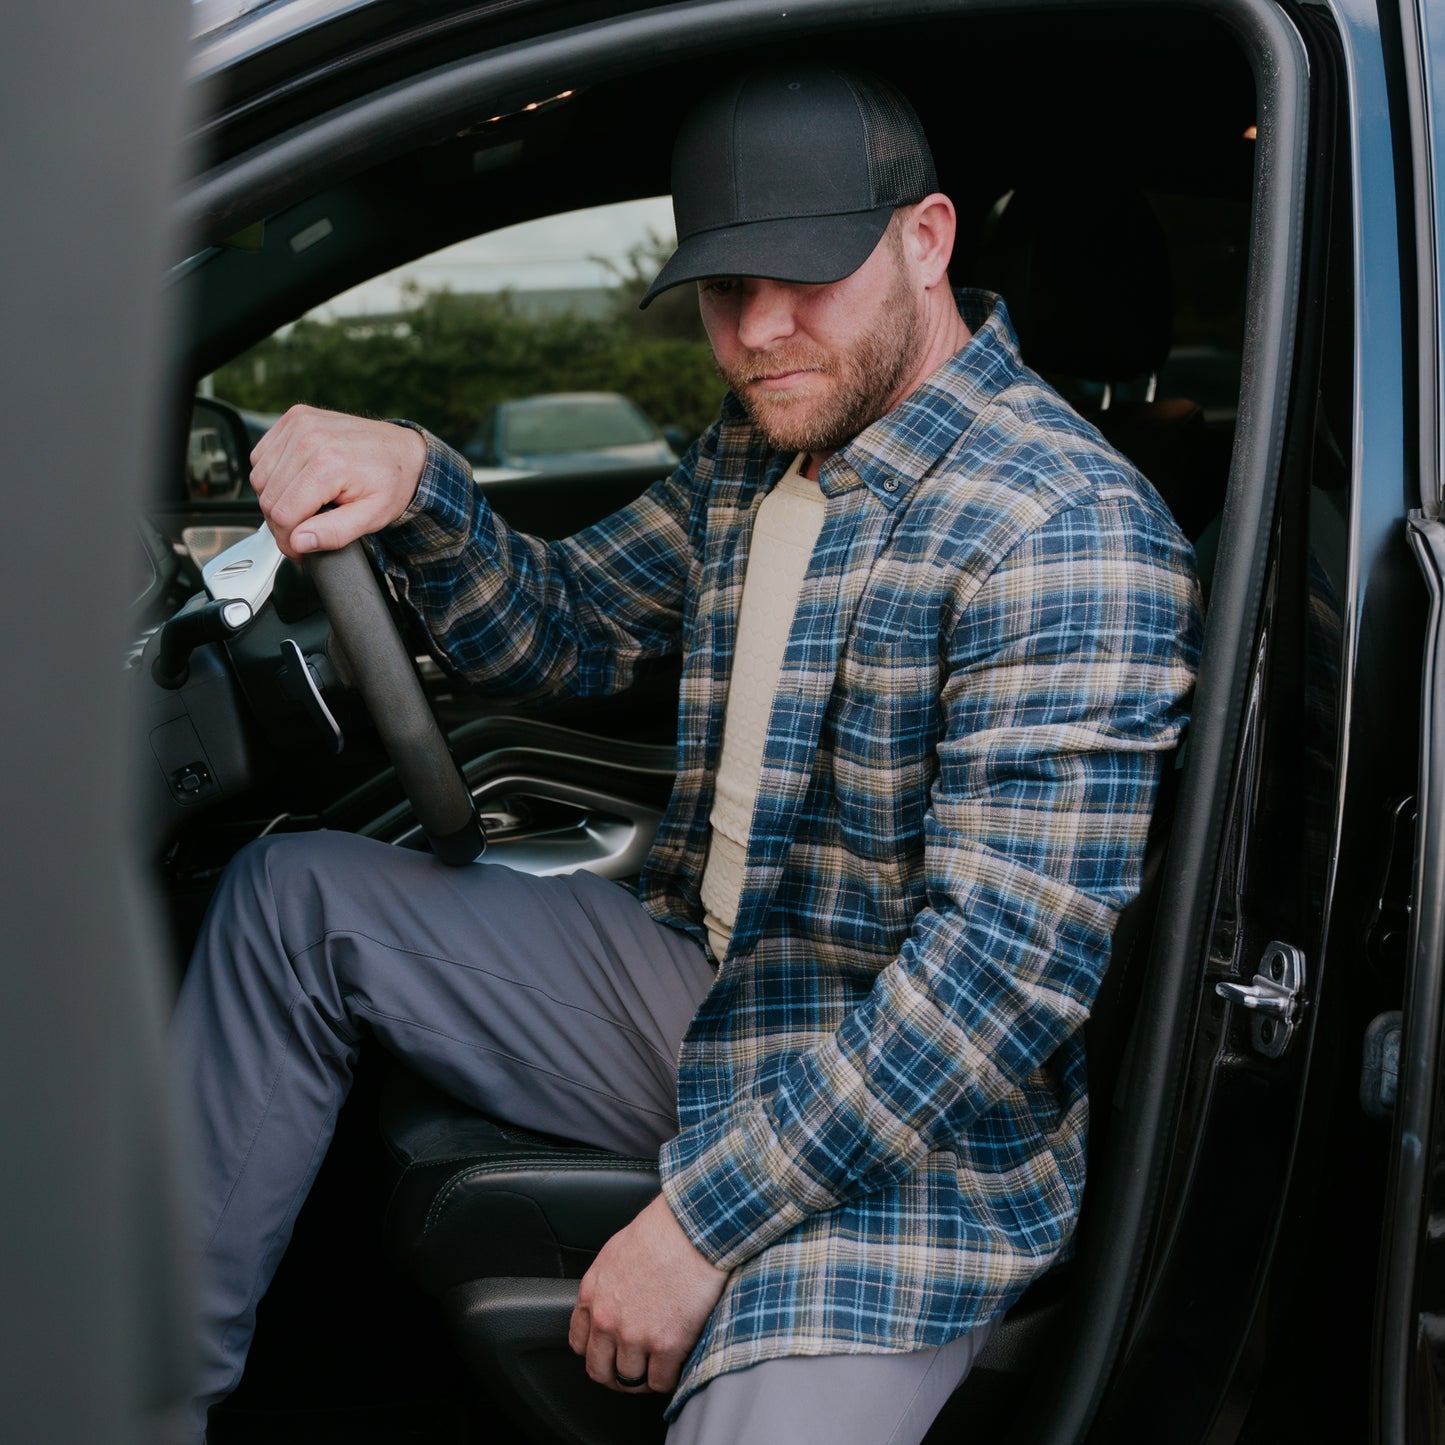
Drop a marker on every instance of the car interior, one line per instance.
(1106, 170)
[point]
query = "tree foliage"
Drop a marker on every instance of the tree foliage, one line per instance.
(445, 357)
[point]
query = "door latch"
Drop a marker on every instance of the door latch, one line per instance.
(1273, 997)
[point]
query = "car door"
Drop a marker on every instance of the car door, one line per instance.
(91, 1304)
(1410, 1343)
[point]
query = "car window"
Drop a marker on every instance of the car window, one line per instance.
(533, 313)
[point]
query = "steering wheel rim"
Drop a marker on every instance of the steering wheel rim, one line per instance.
(382, 669)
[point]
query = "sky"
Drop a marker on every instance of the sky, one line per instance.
(553, 252)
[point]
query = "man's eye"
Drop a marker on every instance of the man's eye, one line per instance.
(719, 286)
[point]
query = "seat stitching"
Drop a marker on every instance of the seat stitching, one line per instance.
(640, 1166)
(538, 1157)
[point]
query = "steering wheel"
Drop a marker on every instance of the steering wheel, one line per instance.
(382, 669)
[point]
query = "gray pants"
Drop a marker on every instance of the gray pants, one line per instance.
(555, 1003)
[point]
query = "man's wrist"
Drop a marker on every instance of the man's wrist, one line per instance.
(428, 472)
(443, 503)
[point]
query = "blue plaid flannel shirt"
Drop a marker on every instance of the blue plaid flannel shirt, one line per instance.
(882, 1099)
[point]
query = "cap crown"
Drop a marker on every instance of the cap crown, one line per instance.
(797, 141)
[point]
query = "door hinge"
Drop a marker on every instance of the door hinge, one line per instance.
(1273, 997)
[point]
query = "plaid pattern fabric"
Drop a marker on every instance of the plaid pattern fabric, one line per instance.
(882, 1099)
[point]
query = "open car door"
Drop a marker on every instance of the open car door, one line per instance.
(1410, 1332)
(91, 1309)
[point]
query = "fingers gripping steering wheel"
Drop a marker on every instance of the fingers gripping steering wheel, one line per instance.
(382, 669)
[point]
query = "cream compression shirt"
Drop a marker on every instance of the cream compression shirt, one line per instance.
(784, 534)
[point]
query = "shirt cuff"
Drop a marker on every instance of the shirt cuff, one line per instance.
(444, 500)
(732, 1187)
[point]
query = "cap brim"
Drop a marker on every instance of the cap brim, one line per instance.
(812, 249)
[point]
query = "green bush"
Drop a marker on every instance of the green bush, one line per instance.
(446, 357)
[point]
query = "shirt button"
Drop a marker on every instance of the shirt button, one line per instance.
(891, 485)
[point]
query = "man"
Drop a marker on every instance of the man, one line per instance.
(936, 636)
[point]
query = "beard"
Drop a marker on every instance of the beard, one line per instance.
(865, 380)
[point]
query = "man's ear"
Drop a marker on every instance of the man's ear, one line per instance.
(929, 233)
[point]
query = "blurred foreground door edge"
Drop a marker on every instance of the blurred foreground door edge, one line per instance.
(92, 1325)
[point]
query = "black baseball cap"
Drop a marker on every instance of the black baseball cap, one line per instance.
(792, 172)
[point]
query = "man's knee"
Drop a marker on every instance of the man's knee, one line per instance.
(292, 872)
(256, 952)
(274, 898)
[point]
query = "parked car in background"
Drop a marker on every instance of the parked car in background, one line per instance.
(567, 431)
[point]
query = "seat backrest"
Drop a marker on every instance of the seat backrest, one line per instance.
(1087, 278)
(1088, 282)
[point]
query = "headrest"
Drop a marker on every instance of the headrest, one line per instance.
(1085, 273)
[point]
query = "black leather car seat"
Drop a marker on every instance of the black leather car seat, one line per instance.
(500, 1223)
(1087, 278)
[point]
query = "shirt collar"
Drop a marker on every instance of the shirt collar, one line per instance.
(893, 454)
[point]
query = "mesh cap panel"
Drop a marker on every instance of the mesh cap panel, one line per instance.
(900, 165)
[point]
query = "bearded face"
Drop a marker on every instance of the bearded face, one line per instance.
(811, 394)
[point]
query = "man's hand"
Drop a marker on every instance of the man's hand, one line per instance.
(369, 469)
(643, 1303)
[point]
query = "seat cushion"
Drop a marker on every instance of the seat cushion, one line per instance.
(471, 1198)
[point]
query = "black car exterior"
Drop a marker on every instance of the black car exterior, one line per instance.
(1256, 1260)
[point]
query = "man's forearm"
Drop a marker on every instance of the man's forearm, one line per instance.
(530, 618)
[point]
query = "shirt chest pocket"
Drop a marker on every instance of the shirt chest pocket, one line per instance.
(885, 722)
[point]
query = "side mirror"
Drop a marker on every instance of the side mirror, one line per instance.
(218, 453)
(677, 438)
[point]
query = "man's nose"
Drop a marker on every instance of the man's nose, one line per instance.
(766, 314)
